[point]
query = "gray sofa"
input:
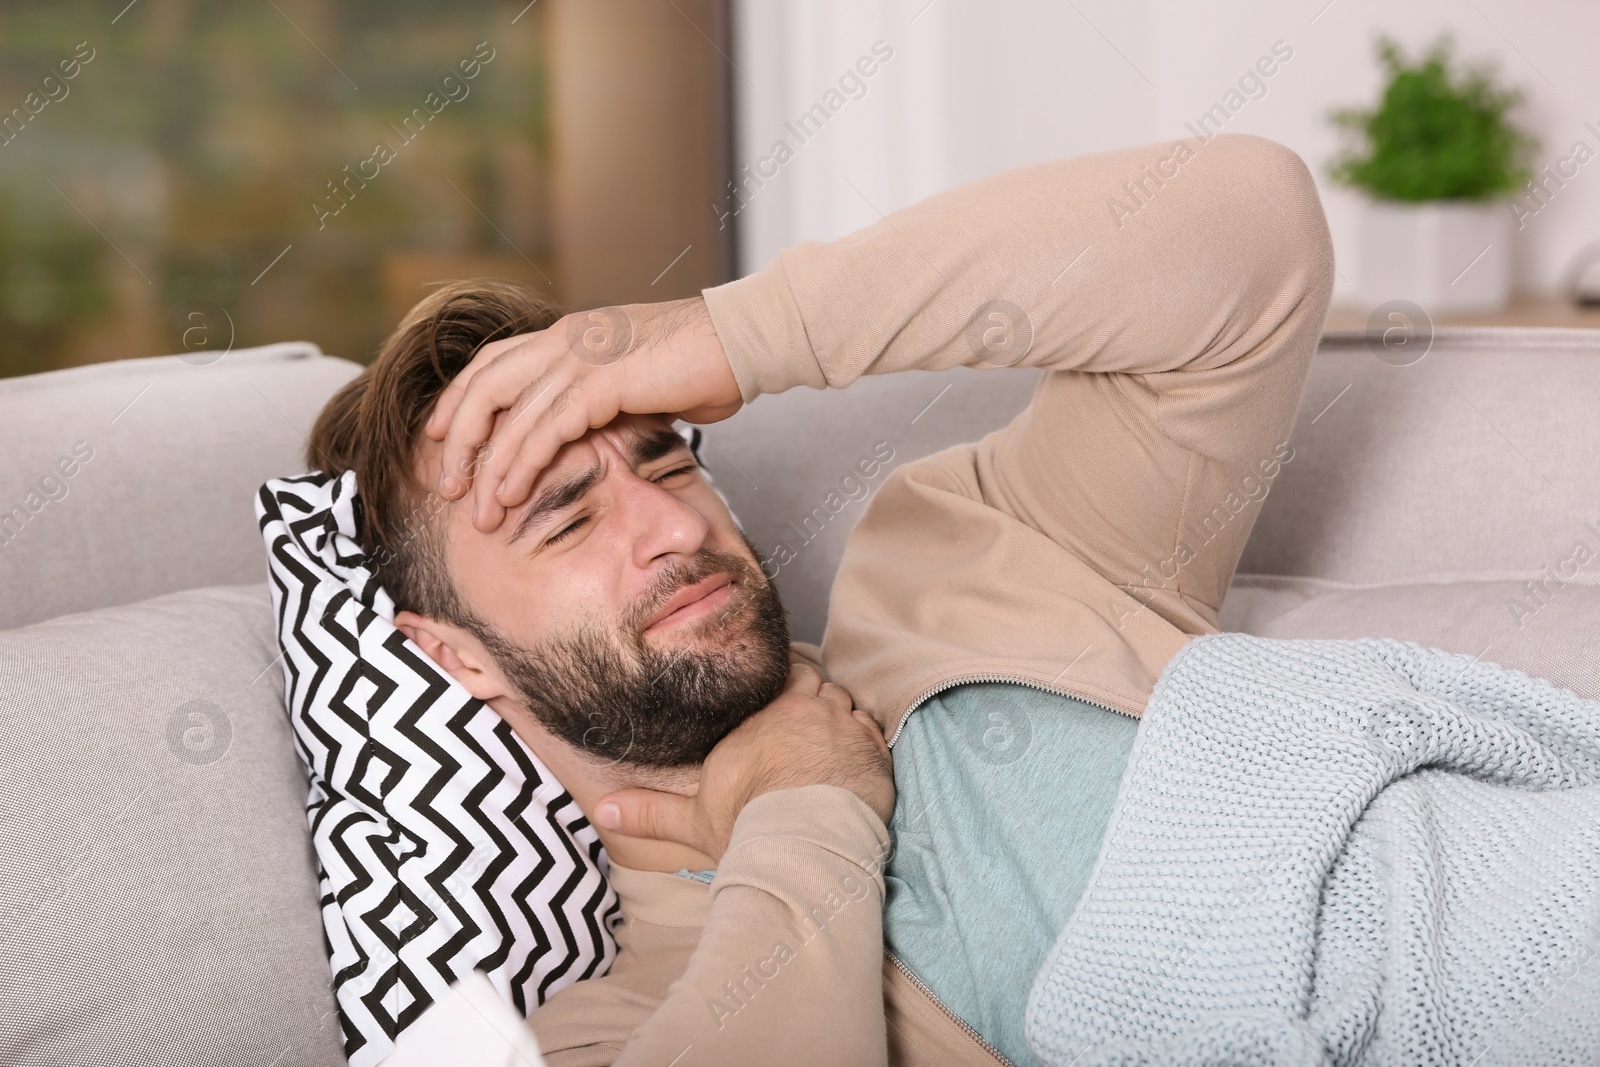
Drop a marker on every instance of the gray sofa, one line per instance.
(158, 897)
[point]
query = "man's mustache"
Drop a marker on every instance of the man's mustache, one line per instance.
(670, 582)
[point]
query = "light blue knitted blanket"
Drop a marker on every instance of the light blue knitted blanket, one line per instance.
(1347, 852)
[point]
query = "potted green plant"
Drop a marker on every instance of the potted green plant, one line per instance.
(1436, 158)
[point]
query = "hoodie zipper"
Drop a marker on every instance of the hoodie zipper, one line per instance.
(922, 986)
(952, 1016)
(965, 679)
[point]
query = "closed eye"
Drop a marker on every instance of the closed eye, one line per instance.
(572, 527)
(581, 521)
(687, 469)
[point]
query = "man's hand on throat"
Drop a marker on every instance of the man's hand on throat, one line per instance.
(811, 735)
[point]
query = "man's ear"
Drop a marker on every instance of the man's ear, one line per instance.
(457, 651)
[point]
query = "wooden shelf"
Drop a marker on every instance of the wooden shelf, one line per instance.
(1523, 311)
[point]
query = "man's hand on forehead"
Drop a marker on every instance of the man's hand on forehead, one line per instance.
(505, 416)
(633, 440)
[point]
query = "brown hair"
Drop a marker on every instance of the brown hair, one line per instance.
(373, 424)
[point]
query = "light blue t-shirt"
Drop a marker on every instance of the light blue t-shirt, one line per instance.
(1003, 796)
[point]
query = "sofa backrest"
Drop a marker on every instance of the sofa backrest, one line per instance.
(1479, 459)
(125, 480)
(1476, 459)
(178, 446)
(798, 468)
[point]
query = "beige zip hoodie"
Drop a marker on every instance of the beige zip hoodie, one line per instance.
(1175, 294)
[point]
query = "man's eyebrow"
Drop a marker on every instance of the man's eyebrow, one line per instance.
(646, 447)
(651, 445)
(552, 499)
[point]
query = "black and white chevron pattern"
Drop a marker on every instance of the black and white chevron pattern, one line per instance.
(443, 844)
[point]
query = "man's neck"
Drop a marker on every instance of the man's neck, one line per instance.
(588, 779)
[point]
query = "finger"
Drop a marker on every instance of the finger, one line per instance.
(571, 413)
(512, 428)
(487, 514)
(485, 391)
(803, 678)
(561, 411)
(444, 408)
(479, 459)
(837, 697)
(865, 718)
(505, 442)
(651, 815)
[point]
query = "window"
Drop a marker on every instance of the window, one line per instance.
(178, 175)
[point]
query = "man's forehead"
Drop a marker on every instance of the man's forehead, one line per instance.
(626, 428)
(623, 433)
(564, 481)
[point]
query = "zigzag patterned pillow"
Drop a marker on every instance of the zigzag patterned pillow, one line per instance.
(443, 844)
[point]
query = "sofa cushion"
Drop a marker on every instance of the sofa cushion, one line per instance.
(125, 480)
(1529, 622)
(158, 894)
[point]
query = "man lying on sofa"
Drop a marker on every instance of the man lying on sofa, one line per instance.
(587, 582)
(594, 589)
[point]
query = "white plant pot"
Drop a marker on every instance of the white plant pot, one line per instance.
(1444, 255)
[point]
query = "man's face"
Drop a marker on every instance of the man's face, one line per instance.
(621, 600)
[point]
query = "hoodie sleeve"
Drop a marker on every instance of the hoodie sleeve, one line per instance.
(1173, 293)
(787, 968)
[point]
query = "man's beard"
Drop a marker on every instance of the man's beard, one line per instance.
(622, 701)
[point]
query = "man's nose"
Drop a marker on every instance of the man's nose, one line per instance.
(658, 522)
